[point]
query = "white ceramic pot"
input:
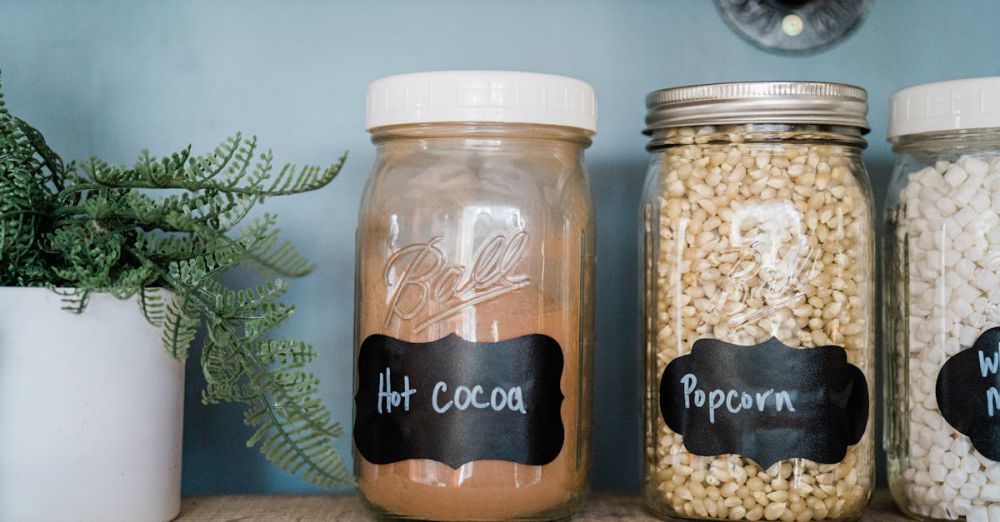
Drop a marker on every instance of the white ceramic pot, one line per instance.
(91, 412)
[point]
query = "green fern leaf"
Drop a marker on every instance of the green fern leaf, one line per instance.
(294, 431)
(74, 300)
(153, 306)
(306, 179)
(180, 326)
(263, 248)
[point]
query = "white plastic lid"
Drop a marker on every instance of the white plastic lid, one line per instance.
(481, 96)
(973, 103)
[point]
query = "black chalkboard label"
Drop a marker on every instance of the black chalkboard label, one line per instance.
(768, 402)
(968, 393)
(456, 401)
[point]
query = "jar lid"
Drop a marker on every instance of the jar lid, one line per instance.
(481, 96)
(809, 103)
(973, 103)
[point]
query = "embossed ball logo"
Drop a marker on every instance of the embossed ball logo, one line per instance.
(425, 288)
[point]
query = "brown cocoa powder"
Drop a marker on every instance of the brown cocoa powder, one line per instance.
(486, 490)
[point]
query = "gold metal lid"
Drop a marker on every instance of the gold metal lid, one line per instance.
(799, 103)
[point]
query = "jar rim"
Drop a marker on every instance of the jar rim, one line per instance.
(952, 138)
(760, 133)
(477, 130)
(787, 102)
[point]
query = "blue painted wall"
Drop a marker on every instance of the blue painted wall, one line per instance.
(109, 78)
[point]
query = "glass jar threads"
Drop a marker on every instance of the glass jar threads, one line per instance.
(943, 301)
(475, 298)
(758, 307)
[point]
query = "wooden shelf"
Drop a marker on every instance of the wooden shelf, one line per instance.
(346, 508)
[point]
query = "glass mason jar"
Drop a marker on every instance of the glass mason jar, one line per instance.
(943, 301)
(475, 295)
(758, 303)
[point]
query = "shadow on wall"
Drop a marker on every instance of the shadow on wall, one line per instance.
(205, 431)
(617, 454)
(880, 172)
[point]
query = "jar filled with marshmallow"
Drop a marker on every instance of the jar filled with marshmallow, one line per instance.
(758, 240)
(942, 322)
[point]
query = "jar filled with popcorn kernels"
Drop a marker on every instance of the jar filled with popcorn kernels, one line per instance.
(942, 393)
(758, 303)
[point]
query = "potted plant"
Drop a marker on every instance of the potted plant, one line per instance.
(101, 268)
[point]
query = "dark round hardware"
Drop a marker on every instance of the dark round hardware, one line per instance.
(793, 26)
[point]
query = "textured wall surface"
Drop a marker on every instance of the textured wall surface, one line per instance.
(109, 78)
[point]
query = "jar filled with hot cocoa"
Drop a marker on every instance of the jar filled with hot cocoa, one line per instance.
(475, 260)
(758, 239)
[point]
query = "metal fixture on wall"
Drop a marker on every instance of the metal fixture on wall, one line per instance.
(793, 26)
